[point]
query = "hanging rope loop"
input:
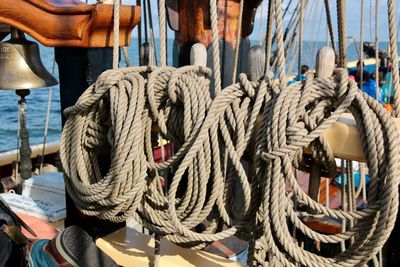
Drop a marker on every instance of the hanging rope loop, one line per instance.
(246, 118)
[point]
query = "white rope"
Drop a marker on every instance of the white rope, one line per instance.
(215, 47)
(163, 33)
(116, 34)
(46, 126)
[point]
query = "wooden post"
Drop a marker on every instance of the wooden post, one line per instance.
(198, 55)
(78, 68)
(256, 62)
(325, 64)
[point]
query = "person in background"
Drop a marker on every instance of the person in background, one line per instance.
(387, 93)
(367, 84)
(304, 70)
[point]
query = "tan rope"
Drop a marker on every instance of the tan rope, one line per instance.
(268, 47)
(300, 43)
(215, 46)
(377, 48)
(153, 52)
(341, 16)
(361, 56)
(163, 33)
(281, 52)
(329, 23)
(238, 40)
(393, 56)
(212, 138)
(178, 101)
(139, 31)
(116, 34)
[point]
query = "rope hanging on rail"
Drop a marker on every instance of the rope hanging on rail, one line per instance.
(267, 122)
(179, 102)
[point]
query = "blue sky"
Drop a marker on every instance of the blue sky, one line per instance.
(315, 14)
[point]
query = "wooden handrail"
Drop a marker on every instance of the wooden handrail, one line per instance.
(129, 248)
(344, 139)
(69, 23)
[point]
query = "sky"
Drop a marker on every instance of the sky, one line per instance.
(315, 20)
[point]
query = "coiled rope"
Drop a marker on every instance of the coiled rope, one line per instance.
(206, 132)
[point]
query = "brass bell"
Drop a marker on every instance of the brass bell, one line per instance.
(21, 66)
(21, 69)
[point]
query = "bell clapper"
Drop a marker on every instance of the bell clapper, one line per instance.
(25, 149)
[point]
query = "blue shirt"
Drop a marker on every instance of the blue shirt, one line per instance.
(369, 87)
(296, 79)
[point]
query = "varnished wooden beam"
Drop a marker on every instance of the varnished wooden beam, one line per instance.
(69, 23)
(195, 24)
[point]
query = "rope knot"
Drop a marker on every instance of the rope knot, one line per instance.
(249, 87)
(188, 78)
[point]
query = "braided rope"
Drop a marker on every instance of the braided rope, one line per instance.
(377, 48)
(268, 47)
(393, 56)
(238, 40)
(300, 44)
(215, 46)
(204, 131)
(163, 33)
(116, 16)
(329, 22)
(341, 16)
(279, 35)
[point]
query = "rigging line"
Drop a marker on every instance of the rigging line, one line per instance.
(296, 48)
(329, 22)
(341, 17)
(145, 21)
(116, 34)
(126, 56)
(215, 47)
(290, 21)
(151, 29)
(139, 27)
(238, 40)
(290, 31)
(370, 20)
(393, 56)
(281, 52)
(47, 119)
(261, 8)
(17, 178)
(163, 32)
(288, 43)
(268, 47)
(317, 33)
(361, 55)
(300, 38)
(376, 49)
(312, 10)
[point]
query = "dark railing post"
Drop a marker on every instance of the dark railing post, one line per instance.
(78, 68)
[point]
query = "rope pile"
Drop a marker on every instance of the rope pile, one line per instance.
(257, 120)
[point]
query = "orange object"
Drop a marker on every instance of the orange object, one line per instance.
(388, 107)
(69, 23)
(43, 229)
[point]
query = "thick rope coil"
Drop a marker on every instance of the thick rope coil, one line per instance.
(246, 120)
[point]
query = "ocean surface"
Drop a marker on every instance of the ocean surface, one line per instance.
(38, 99)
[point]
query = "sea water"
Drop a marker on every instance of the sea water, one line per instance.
(38, 99)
